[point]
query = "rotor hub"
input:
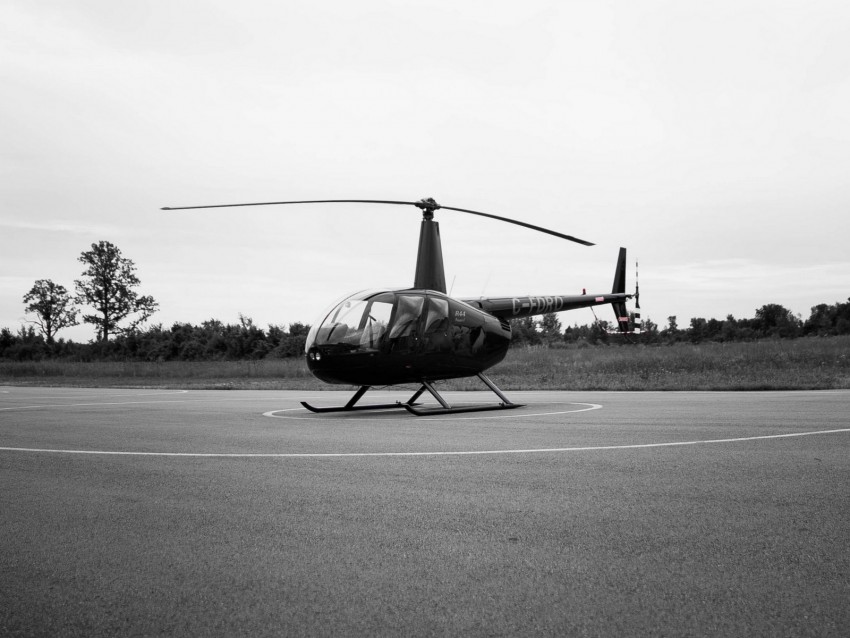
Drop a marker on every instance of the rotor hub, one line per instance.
(427, 206)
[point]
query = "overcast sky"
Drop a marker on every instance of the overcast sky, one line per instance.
(712, 139)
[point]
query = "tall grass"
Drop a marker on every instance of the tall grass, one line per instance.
(261, 374)
(802, 364)
(817, 363)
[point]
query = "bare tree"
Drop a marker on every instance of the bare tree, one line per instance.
(51, 304)
(107, 286)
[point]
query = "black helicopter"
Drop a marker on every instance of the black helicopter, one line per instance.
(421, 335)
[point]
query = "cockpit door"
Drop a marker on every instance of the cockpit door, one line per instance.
(436, 333)
(404, 332)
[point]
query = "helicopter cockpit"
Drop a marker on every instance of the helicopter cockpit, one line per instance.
(381, 320)
(401, 324)
(358, 321)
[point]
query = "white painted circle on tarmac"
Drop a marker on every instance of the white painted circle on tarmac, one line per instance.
(280, 455)
(304, 414)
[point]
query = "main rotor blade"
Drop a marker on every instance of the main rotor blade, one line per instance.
(425, 204)
(519, 223)
(305, 201)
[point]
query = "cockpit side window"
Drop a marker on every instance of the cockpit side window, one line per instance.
(407, 316)
(438, 315)
(375, 321)
(437, 338)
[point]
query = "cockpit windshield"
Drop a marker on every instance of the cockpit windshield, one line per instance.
(357, 322)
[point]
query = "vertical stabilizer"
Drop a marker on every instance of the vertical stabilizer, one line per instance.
(620, 273)
(620, 287)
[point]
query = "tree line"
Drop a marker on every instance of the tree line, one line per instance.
(117, 311)
(215, 340)
(108, 287)
(210, 341)
(771, 321)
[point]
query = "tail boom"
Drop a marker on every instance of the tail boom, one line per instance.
(519, 307)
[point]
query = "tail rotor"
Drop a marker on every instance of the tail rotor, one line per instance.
(637, 322)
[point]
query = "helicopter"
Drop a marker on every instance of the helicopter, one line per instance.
(421, 335)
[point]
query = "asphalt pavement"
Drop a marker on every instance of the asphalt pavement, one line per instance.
(145, 512)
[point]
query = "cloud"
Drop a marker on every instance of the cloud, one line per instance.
(50, 226)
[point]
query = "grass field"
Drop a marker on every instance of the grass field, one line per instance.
(800, 364)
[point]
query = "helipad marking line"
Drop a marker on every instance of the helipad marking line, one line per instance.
(166, 393)
(458, 453)
(194, 399)
(142, 393)
(87, 405)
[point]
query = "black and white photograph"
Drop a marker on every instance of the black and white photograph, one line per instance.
(424, 318)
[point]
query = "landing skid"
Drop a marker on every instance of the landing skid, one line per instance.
(351, 407)
(411, 406)
(446, 408)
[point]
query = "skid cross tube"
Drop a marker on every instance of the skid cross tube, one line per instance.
(447, 408)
